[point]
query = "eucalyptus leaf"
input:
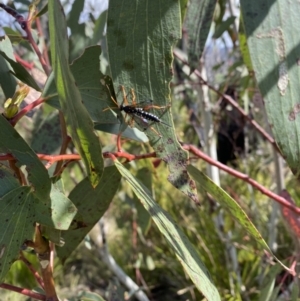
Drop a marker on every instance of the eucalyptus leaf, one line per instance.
(20, 72)
(199, 19)
(231, 205)
(140, 37)
(274, 49)
(8, 82)
(91, 204)
(184, 250)
(78, 121)
(17, 225)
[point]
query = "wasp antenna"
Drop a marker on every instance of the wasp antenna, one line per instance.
(133, 97)
(165, 124)
(114, 101)
(125, 100)
(110, 108)
(111, 97)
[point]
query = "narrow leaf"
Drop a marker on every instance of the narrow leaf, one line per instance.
(89, 80)
(79, 123)
(184, 250)
(91, 204)
(231, 205)
(244, 46)
(7, 81)
(268, 284)
(20, 72)
(144, 175)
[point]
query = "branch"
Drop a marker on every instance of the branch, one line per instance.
(282, 201)
(23, 291)
(32, 270)
(198, 153)
(230, 100)
(25, 110)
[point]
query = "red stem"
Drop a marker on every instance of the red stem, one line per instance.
(32, 270)
(27, 65)
(25, 110)
(129, 157)
(23, 291)
(230, 100)
(282, 201)
(37, 50)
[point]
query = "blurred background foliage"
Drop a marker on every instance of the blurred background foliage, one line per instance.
(134, 242)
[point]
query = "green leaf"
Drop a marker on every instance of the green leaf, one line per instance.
(223, 26)
(16, 224)
(199, 19)
(231, 205)
(268, 285)
(58, 212)
(95, 95)
(91, 204)
(274, 48)
(99, 27)
(14, 37)
(89, 296)
(8, 82)
(130, 133)
(183, 8)
(12, 143)
(91, 84)
(184, 250)
(42, 11)
(78, 39)
(144, 175)
(8, 181)
(46, 134)
(78, 121)
(20, 72)
(73, 19)
(140, 37)
(244, 46)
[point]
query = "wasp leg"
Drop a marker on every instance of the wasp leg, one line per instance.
(145, 108)
(125, 99)
(133, 97)
(155, 131)
(114, 101)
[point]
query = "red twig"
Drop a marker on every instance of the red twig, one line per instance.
(25, 110)
(32, 270)
(35, 47)
(27, 65)
(23, 291)
(282, 201)
(198, 153)
(233, 103)
(119, 147)
(41, 34)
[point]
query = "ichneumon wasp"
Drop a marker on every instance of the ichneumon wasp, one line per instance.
(137, 112)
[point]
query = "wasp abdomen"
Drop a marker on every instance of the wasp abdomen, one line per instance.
(131, 110)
